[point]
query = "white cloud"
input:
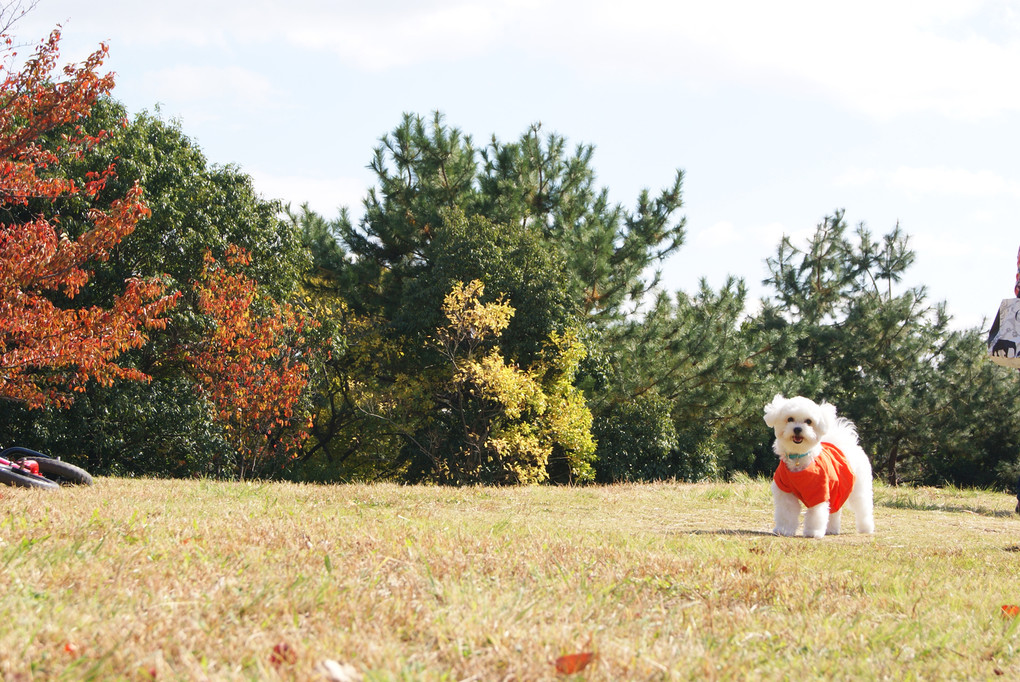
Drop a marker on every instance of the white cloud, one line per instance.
(857, 177)
(194, 23)
(771, 234)
(718, 235)
(959, 181)
(189, 83)
(944, 248)
(387, 39)
(880, 57)
(942, 180)
(372, 36)
(725, 234)
(325, 196)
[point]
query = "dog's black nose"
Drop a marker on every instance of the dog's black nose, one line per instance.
(797, 430)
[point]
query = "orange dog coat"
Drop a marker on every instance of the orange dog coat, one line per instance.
(828, 478)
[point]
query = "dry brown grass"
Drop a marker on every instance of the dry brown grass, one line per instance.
(135, 579)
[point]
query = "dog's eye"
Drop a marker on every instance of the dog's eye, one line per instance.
(789, 419)
(808, 422)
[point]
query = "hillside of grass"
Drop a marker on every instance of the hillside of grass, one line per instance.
(155, 579)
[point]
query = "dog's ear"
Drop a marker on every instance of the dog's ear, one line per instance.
(772, 410)
(828, 418)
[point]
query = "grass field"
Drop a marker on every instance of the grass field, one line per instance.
(147, 579)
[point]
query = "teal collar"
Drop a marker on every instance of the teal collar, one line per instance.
(803, 454)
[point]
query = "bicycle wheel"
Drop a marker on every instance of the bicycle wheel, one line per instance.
(25, 479)
(62, 473)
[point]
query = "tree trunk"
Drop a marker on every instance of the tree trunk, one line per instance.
(891, 478)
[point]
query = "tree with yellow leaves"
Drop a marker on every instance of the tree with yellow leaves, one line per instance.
(496, 422)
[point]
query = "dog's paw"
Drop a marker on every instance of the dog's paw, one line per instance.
(785, 532)
(816, 534)
(866, 527)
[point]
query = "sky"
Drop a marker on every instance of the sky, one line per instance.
(779, 113)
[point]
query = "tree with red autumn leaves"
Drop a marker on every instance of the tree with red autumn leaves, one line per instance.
(48, 347)
(250, 364)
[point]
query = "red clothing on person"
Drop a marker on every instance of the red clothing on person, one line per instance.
(828, 478)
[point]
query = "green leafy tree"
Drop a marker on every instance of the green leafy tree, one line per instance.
(320, 239)
(420, 173)
(129, 429)
(637, 441)
(610, 253)
(493, 421)
(843, 328)
(195, 206)
(375, 358)
(344, 442)
(973, 437)
(682, 375)
(526, 218)
(533, 185)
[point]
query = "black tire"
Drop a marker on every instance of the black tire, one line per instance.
(25, 479)
(62, 473)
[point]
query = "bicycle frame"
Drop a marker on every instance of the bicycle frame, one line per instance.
(23, 467)
(7, 453)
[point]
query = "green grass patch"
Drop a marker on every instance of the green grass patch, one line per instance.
(142, 579)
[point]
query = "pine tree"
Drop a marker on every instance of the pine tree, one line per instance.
(526, 218)
(533, 185)
(845, 330)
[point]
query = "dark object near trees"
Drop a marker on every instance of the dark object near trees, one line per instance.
(63, 473)
(15, 470)
(22, 478)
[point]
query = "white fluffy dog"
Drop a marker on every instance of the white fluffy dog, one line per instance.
(821, 465)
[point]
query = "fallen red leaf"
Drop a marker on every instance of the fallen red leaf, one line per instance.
(283, 653)
(573, 663)
(1010, 611)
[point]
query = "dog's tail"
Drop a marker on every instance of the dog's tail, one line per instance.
(843, 431)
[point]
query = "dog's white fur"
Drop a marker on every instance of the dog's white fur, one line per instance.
(801, 426)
